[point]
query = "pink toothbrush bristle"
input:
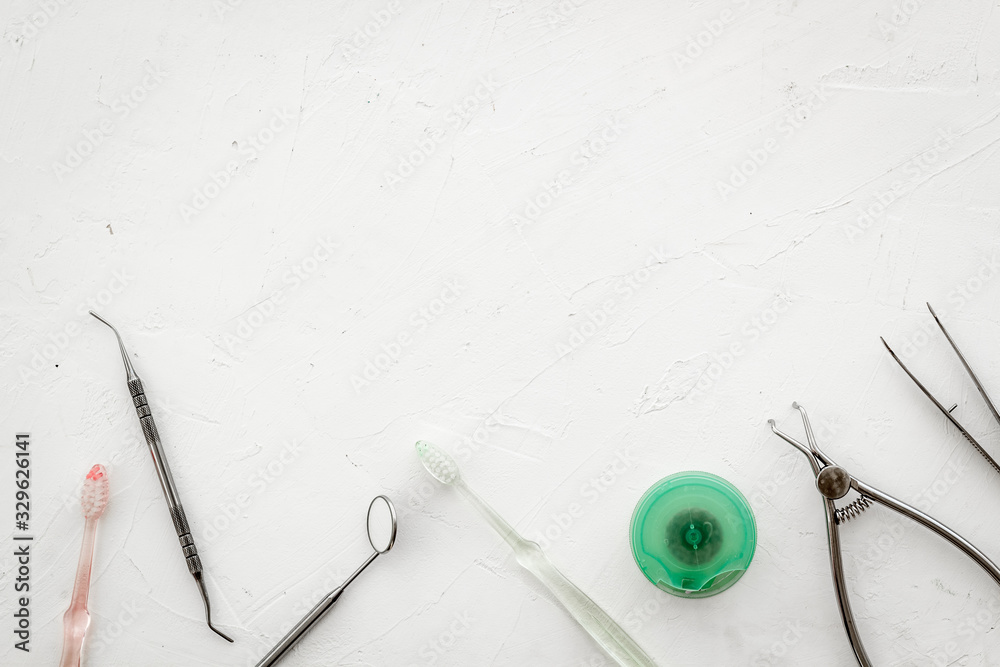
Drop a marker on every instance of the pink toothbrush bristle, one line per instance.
(96, 492)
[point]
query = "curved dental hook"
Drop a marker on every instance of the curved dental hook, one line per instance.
(129, 371)
(208, 610)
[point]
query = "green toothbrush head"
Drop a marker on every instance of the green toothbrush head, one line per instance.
(438, 463)
(693, 534)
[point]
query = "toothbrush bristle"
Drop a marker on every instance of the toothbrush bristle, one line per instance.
(96, 492)
(438, 463)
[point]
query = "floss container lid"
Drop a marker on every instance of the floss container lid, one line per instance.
(693, 534)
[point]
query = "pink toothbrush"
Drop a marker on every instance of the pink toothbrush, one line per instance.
(77, 618)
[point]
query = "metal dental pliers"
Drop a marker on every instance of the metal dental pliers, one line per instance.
(834, 483)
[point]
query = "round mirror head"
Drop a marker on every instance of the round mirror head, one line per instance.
(381, 524)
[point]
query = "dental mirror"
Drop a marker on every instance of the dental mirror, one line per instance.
(382, 536)
(381, 524)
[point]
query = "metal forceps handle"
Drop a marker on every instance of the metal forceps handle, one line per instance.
(833, 483)
(837, 566)
(933, 525)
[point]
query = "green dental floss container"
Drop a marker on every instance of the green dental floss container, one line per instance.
(693, 534)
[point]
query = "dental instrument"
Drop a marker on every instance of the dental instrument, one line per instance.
(384, 523)
(608, 634)
(834, 483)
(174, 506)
(76, 620)
(948, 411)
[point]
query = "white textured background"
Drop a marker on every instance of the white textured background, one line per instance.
(185, 168)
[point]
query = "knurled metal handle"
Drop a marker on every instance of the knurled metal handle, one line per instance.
(186, 540)
(177, 515)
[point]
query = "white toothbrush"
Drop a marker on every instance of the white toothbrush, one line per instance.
(587, 613)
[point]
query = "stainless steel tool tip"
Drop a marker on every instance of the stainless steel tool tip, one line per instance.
(129, 371)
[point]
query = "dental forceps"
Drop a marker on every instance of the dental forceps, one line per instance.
(833, 483)
(948, 411)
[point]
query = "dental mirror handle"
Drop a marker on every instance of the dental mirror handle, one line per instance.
(310, 619)
(302, 627)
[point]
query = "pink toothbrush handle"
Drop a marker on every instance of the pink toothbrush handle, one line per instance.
(77, 618)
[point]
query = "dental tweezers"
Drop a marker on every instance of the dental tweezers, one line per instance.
(948, 411)
(833, 483)
(177, 514)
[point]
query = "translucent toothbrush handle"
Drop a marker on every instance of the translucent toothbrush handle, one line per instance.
(612, 638)
(587, 613)
(76, 620)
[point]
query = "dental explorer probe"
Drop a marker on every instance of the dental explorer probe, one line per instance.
(166, 479)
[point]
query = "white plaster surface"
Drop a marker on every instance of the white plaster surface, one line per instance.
(361, 194)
